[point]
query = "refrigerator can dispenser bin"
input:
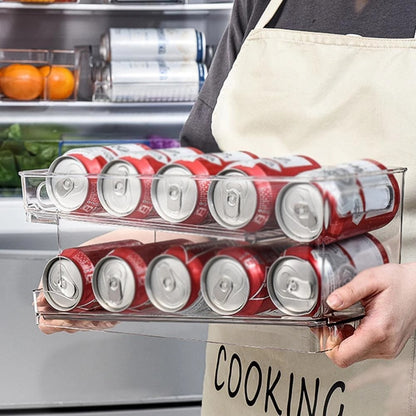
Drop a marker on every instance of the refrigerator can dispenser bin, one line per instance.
(307, 235)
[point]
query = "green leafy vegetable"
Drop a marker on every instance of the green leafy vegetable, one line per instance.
(8, 169)
(27, 147)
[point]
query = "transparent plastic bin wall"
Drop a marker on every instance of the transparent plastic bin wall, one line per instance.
(310, 326)
(76, 60)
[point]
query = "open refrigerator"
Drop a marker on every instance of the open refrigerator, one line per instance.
(97, 373)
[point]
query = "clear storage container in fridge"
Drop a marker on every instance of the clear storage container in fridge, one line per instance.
(38, 74)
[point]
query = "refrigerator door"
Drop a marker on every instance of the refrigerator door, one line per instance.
(86, 368)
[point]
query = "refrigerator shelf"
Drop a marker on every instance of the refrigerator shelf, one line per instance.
(104, 7)
(96, 116)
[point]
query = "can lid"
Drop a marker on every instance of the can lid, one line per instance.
(105, 47)
(174, 193)
(293, 285)
(168, 283)
(67, 184)
(300, 211)
(232, 200)
(225, 285)
(62, 283)
(113, 284)
(106, 77)
(119, 188)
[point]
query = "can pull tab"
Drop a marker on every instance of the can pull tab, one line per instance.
(120, 187)
(232, 202)
(115, 291)
(65, 186)
(120, 183)
(304, 215)
(64, 286)
(223, 289)
(168, 278)
(298, 288)
(174, 197)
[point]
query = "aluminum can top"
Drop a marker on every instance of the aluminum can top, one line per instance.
(168, 283)
(301, 212)
(174, 193)
(225, 285)
(293, 285)
(105, 47)
(232, 199)
(119, 188)
(113, 284)
(62, 283)
(68, 186)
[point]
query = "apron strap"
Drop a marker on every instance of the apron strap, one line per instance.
(268, 13)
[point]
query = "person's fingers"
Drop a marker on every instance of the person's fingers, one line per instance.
(335, 335)
(51, 326)
(351, 349)
(41, 300)
(362, 286)
(369, 340)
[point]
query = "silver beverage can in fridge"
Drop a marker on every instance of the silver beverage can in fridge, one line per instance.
(66, 278)
(153, 44)
(150, 81)
(118, 282)
(245, 193)
(124, 184)
(233, 282)
(334, 203)
(72, 178)
(303, 277)
(179, 190)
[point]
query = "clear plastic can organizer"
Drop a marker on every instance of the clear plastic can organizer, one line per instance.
(179, 236)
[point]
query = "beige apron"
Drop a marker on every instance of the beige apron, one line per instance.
(335, 98)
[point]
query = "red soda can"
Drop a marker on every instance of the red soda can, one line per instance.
(72, 179)
(179, 193)
(234, 281)
(339, 202)
(124, 184)
(303, 277)
(66, 278)
(245, 193)
(173, 277)
(118, 282)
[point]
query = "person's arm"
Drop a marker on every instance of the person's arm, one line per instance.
(388, 294)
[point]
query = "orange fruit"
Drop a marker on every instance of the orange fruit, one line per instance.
(59, 82)
(21, 82)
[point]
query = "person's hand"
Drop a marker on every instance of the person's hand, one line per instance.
(50, 326)
(388, 294)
